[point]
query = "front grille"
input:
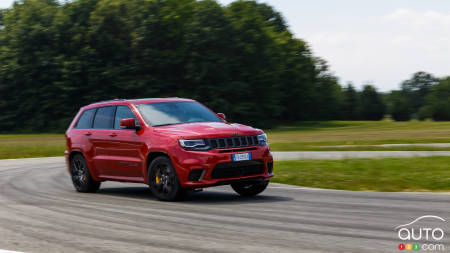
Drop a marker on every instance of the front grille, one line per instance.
(233, 142)
(237, 169)
(236, 150)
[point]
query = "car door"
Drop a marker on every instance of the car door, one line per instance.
(127, 159)
(102, 132)
(82, 132)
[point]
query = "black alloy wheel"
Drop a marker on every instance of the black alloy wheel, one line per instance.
(163, 180)
(81, 178)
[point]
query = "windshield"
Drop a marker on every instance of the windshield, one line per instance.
(168, 113)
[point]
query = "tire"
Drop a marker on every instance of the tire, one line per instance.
(250, 188)
(81, 177)
(163, 180)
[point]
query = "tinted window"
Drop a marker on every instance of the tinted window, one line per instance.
(85, 120)
(123, 112)
(104, 117)
(167, 113)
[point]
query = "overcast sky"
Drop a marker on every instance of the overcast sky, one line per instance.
(380, 42)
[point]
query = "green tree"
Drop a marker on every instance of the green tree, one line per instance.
(417, 88)
(400, 108)
(350, 103)
(2, 14)
(208, 69)
(424, 113)
(327, 93)
(28, 66)
(438, 101)
(372, 106)
(240, 59)
(255, 66)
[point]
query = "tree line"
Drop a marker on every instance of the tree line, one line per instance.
(240, 59)
(423, 96)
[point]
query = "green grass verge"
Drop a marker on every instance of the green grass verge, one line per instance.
(386, 174)
(303, 136)
(31, 145)
(300, 146)
(313, 136)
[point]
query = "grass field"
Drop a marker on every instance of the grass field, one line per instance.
(304, 136)
(388, 174)
(31, 145)
(315, 136)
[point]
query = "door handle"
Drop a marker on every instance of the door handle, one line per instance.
(88, 134)
(113, 135)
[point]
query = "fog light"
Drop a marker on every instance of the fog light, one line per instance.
(270, 167)
(196, 175)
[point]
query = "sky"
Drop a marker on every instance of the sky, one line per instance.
(380, 42)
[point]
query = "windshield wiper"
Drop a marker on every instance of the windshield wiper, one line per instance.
(187, 122)
(168, 124)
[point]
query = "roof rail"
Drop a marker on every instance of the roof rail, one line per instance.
(136, 99)
(139, 99)
(109, 100)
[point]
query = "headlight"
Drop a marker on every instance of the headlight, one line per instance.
(262, 139)
(199, 144)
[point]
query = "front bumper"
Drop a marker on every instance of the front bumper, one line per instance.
(206, 161)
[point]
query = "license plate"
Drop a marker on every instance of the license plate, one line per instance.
(242, 157)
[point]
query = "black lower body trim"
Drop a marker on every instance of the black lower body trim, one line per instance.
(247, 180)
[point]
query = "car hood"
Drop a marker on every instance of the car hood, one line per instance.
(208, 130)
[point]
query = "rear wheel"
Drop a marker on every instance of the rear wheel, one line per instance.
(250, 188)
(81, 178)
(163, 180)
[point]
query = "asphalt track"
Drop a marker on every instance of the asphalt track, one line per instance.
(40, 212)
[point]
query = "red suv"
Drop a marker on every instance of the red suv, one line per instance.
(171, 144)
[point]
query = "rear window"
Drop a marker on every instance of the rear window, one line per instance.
(85, 120)
(104, 117)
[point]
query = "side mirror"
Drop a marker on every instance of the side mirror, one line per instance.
(222, 116)
(128, 123)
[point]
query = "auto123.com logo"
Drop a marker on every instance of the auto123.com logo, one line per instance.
(420, 235)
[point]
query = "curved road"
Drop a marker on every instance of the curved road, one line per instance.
(40, 212)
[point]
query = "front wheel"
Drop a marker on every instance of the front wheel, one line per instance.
(250, 188)
(81, 178)
(163, 180)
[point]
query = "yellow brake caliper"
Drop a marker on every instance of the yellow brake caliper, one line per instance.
(157, 178)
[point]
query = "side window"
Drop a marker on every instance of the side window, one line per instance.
(104, 117)
(85, 120)
(123, 112)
